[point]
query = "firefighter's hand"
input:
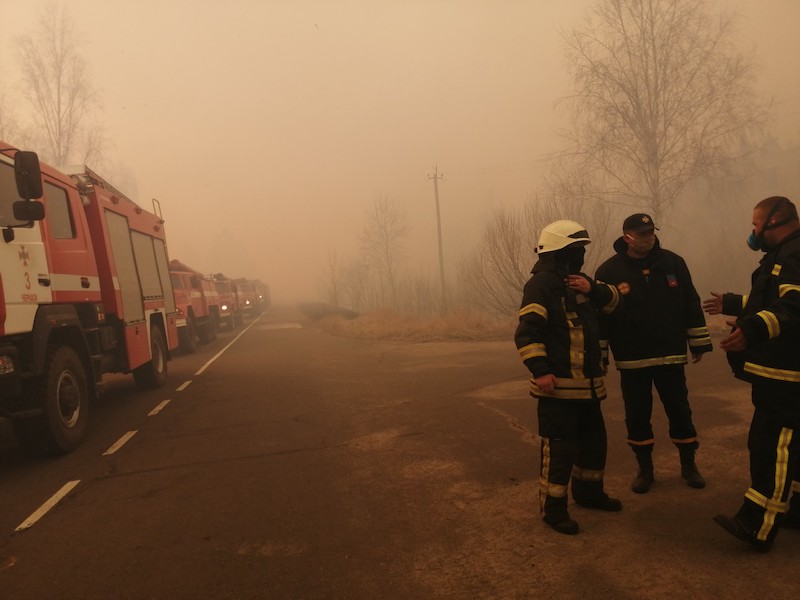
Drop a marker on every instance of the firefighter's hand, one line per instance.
(546, 383)
(713, 306)
(736, 341)
(578, 283)
(696, 358)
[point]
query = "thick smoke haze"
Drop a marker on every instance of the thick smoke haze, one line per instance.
(265, 128)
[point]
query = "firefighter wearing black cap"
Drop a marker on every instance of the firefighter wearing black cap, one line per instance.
(659, 315)
(764, 349)
(558, 340)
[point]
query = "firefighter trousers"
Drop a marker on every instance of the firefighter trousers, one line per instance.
(637, 393)
(573, 445)
(774, 445)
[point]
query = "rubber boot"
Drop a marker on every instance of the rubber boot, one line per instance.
(554, 513)
(590, 494)
(689, 469)
(644, 476)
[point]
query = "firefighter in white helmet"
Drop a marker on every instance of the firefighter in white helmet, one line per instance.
(559, 342)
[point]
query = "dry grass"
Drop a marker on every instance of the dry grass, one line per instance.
(385, 324)
(462, 325)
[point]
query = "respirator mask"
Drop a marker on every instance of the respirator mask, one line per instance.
(574, 256)
(756, 241)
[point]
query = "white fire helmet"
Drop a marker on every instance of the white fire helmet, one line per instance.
(561, 234)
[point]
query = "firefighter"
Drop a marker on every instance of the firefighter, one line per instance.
(558, 341)
(763, 350)
(660, 314)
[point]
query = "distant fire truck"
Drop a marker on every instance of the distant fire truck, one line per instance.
(263, 299)
(198, 304)
(230, 310)
(84, 290)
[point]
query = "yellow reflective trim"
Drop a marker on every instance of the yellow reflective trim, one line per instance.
(775, 506)
(649, 442)
(744, 300)
(572, 389)
(757, 497)
(772, 373)
(697, 331)
(545, 486)
(533, 308)
(532, 351)
(612, 304)
(587, 474)
(683, 441)
(773, 327)
(555, 490)
(677, 359)
(776, 270)
(576, 343)
(786, 288)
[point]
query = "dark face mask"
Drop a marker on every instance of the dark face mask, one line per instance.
(574, 258)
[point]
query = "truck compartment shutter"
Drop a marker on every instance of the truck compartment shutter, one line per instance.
(146, 264)
(127, 280)
(163, 271)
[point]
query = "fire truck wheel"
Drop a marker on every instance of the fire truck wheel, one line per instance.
(213, 326)
(65, 394)
(153, 374)
(187, 337)
(208, 330)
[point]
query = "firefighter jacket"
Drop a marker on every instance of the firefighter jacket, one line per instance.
(769, 317)
(558, 332)
(659, 310)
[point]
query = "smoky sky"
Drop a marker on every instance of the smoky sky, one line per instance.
(265, 128)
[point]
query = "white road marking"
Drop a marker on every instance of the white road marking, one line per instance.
(44, 508)
(119, 443)
(184, 385)
(158, 408)
(218, 354)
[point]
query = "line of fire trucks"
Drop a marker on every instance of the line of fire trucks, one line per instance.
(86, 289)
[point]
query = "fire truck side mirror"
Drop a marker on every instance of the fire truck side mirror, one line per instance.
(28, 210)
(28, 175)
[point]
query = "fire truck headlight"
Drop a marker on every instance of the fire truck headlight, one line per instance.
(247, 301)
(224, 307)
(6, 364)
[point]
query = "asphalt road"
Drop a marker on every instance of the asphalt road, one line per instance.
(298, 465)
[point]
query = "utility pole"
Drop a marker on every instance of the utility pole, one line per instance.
(436, 177)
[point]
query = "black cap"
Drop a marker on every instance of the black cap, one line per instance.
(639, 222)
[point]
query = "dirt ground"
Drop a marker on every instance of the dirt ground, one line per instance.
(663, 544)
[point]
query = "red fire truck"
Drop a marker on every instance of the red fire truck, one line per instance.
(263, 298)
(197, 301)
(84, 290)
(230, 311)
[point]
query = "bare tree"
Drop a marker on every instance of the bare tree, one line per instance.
(56, 80)
(660, 96)
(8, 122)
(332, 279)
(382, 242)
